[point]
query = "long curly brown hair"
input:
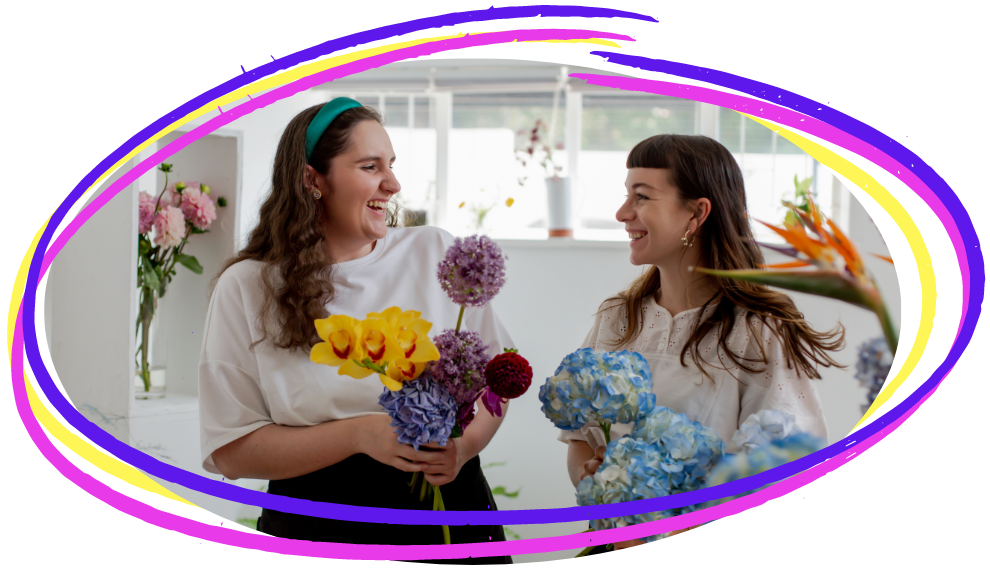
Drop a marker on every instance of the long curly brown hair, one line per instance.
(700, 167)
(289, 239)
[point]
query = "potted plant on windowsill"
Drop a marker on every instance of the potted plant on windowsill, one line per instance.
(534, 146)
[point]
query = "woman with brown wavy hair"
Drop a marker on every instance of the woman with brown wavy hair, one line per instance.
(326, 244)
(719, 349)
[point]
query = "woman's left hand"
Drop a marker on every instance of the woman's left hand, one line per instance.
(449, 466)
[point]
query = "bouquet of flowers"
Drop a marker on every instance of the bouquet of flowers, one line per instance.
(838, 273)
(666, 453)
(165, 224)
(432, 385)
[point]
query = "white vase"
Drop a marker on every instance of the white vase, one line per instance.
(560, 221)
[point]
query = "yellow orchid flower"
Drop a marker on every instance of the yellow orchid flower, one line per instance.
(411, 334)
(340, 335)
(400, 371)
(377, 340)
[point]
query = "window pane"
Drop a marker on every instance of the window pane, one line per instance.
(730, 129)
(618, 122)
(369, 101)
(512, 111)
(397, 111)
(484, 170)
(759, 139)
(422, 117)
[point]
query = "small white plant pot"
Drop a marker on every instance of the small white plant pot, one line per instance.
(561, 216)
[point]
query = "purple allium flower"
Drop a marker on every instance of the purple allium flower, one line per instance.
(461, 367)
(473, 271)
(422, 412)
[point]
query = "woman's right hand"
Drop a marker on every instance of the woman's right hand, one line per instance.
(377, 439)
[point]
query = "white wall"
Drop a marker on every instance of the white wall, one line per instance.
(91, 286)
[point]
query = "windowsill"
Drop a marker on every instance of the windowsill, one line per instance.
(583, 238)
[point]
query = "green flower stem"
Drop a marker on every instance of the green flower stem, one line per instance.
(422, 490)
(460, 316)
(608, 547)
(438, 506)
(887, 324)
(606, 427)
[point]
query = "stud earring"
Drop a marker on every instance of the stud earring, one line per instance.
(684, 240)
(317, 195)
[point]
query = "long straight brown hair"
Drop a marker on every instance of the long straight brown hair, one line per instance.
(289, 238)
(700, 167)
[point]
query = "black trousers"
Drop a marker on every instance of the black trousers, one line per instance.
(361, 481)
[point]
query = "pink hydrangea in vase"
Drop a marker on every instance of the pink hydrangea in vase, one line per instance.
(165, 224)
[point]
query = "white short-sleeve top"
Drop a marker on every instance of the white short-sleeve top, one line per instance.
(242, 389)
(722, 404)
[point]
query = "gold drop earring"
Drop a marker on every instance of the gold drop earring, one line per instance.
(684, 240)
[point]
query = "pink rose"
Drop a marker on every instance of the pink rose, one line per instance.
(170, 227)
(146, 212)
(198, 208)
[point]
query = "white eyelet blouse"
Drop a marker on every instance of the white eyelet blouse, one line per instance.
(735, 393)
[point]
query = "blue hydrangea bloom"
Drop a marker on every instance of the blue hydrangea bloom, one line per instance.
(872, 367)
(666, 454)
(591, 386)
(762, 428)
(762, 458)
(690, 449)
(422, 412)
(631, 470)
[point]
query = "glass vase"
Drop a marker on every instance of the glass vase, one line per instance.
(149, 373)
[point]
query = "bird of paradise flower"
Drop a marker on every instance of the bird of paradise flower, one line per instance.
(839, 272)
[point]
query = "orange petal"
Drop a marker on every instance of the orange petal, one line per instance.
(801, 242)
(787, 265)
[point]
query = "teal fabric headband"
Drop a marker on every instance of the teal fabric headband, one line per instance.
(322, 120)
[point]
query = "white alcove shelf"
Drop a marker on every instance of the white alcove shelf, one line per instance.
(91, 309)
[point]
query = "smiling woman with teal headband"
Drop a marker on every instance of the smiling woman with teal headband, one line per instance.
(326, 244)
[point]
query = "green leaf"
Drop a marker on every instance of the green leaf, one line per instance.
(510, 534)
(456, 432)
(190, 263)
(500, 490)
(150, 274)
(493, 464)
(250, 523)
(194, 230)
(822, 283)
